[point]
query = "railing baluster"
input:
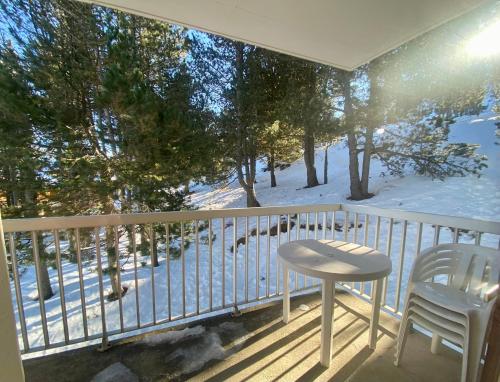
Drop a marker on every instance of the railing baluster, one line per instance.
(101, 283)
(307, 226)
(268, 255)
(437, 230)
(288, 228)
(419, 239)
(316, 226)
(477, 239)
(136, 281)
(41, 300)
(223, 261)
(356, 223)
(377, 233)
(367, 223)
(257, 260)
(455, 235)
(376, 246)
(119, 276)
(169, 286)
(82, 286)
(306, 279)
(324, 225)
(152, 250)
(288, 234)
(355, 240)
(183, 259)
(365, 243)
(401, 264)
(19, 295)
(276, 259)
(388, 253)
(333, 225)
(60, 280)
(235, 264)
(246, 258)
(210, 264)
(297, 235)
(197, 265)
(346, 224)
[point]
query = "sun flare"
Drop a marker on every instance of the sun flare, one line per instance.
(486, 43)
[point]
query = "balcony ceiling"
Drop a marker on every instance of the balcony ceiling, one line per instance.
(341, 33)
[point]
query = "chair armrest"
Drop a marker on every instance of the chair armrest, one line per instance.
(491, 293)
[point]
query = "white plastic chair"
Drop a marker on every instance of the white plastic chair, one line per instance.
(451, 292)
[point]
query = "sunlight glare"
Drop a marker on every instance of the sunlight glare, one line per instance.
(486, 43)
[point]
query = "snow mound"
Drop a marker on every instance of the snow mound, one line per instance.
(174, 336)
(116, 372)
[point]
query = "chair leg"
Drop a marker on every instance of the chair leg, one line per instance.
(436, 343)
(465, 360)
(402, 337)
(474, 353)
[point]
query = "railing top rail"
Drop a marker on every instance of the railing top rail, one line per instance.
(427, 218)
(69, 222)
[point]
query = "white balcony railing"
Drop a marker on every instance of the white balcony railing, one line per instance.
(209, 262)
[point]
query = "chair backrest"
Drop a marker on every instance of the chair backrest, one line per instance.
(468, 267)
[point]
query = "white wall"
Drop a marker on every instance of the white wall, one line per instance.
(11, 367)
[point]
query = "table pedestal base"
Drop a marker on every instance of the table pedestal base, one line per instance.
(328, 301)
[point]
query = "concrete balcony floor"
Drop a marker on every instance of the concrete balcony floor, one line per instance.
(258, 346)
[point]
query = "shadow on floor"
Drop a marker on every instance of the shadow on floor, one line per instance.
(258, 347)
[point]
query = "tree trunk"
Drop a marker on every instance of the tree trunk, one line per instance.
(245, 155)
(154, 248)
(352, 142)
(45, 286)
(252, 198)
(325, 166)
(312, 179)
(113, 264)
(247, 183)
(186, 187)
(270, 164)
(367, 155)
(374, 121)
(356, 192)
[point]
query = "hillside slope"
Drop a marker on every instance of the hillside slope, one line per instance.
(461, 196)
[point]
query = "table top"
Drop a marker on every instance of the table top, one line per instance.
(335, 260)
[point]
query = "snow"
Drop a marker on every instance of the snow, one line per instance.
(174, 336)
(193, 356)
(465, 196)
(116, 372)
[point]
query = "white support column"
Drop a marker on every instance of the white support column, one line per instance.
(328, 296)
(286, 295)
(11, 366)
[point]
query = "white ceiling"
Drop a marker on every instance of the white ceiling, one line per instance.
(341, 33)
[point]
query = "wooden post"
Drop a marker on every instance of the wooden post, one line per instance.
(491, 370)
(11, 366)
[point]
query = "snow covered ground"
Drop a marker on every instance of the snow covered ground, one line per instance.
(467, 197)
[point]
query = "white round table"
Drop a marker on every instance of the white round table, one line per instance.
(334, 261)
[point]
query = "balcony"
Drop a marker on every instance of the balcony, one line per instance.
(258, 346)
(211, 264)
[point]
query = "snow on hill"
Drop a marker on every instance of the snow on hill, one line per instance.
(459, 196)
